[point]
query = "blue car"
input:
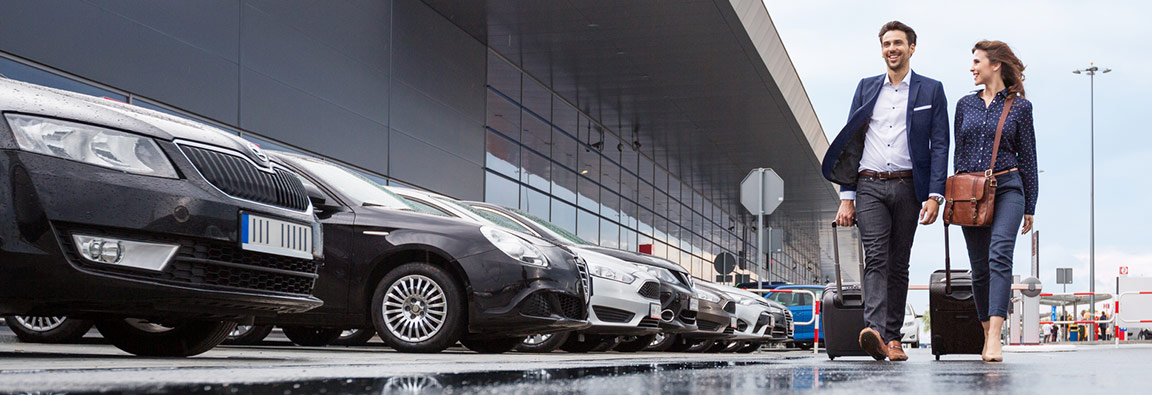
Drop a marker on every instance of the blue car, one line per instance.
(801, 306)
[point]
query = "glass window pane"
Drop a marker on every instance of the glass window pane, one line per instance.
(502, 155)
(534, 202)
(564, 183)
(536, 134)
(503, 77)
(609, 204)
(612, 148)
(609, 234)
(587, 225)
(536, 98)
(535, 170)
(500, 190)
(589, 195)
(564, 149)
(503, 115)
(628, 240)
(645, 169)
(563, 215)
(564, 116)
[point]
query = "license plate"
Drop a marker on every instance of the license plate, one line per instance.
(733, 322)
(654, 310)
(694, 304)
(273, 236)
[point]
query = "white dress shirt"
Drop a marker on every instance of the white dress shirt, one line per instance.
(886, 141)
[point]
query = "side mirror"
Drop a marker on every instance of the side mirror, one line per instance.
(919, 315)
(321, 204)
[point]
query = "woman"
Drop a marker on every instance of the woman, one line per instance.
(990, 248)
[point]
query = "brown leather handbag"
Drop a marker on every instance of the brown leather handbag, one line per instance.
(970, 197)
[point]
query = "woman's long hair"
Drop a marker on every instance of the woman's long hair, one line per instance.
(1011, 68)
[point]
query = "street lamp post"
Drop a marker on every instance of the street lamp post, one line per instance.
(1091, 72)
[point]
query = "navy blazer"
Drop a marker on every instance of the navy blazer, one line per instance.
(927, 135)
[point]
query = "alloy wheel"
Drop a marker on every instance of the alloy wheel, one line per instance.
(40, 323)
(414, 308)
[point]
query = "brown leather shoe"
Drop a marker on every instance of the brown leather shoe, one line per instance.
(896, 352)
(872, 344)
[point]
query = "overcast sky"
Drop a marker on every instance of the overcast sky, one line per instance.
(834, 44)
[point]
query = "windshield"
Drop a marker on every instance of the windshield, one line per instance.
(486, 216)
(555, 231)
(354, 185)
(792, 299)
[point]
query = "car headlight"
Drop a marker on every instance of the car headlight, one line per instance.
(607, 273)
(705, 295)
(515, 247)
(662, 274)
(91, 144)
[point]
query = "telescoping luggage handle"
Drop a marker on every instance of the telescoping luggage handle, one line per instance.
(836, 256)
(947, 263)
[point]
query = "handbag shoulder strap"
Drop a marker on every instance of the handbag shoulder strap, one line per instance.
(999, 131)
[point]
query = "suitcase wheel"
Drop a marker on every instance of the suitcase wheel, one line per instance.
(831, 358)
(937, 357)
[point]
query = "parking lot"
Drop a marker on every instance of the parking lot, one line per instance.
(277, 367)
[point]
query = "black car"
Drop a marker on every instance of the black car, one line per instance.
(424, 281)
(166, 232)
(677, 297)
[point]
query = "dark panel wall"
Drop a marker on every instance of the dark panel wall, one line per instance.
(339, 78)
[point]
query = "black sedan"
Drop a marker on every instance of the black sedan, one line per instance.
(424, 281)
(165, 231)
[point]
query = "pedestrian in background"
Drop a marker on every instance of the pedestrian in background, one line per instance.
(1047, 333)
(990, 249)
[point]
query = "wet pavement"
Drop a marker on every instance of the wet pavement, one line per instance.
(95, 367)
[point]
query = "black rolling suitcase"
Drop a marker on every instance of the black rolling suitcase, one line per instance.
(956, 328)
(842, 311)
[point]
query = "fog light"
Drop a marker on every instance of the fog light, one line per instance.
(150, 256)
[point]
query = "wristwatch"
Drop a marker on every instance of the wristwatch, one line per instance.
(939, 199)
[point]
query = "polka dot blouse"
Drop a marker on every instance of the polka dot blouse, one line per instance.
(976, 130)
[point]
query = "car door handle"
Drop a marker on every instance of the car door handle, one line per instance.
(375, 233)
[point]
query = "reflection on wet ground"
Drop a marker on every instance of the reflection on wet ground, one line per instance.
(1086, 371)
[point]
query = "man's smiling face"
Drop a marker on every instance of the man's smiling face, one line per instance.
(895, 49)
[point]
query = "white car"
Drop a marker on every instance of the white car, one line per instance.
(910, 332)
(625, 299)
(754, 319)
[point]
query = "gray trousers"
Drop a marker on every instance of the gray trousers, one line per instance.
(886, 212)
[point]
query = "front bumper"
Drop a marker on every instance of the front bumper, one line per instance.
(753, 322)
(47, 199)
(713, 322)
(909, 334)
(619, 309)
(783, 330)
(675, 301)
(508, 299)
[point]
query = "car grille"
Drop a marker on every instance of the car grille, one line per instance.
(764, 319)
(650, 290)
(240, 178)
(688, 316)
(545, 304)
(585, 281)
(209, 264)
(788, 322)
(708, 326)
(730, 307)
(608, 314)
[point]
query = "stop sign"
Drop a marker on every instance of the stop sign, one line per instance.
(758, 180)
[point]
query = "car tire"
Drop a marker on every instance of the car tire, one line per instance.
(662, 341)
(47, 329)
(589, 343)
(357, 337)
(915, 345)
(181, 340)
(751, 347)
(717, 346)
(804, 345)
(453, 313)
(543, 343)
(702, 346)
(682, 344)
(492, 346)
(245, 335)
(635, 345)
(311, 336)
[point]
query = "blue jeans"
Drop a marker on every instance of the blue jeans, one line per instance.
(990, 249)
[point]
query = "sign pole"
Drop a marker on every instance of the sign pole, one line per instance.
(760, 230)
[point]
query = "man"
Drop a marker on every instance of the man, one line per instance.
(891, 161)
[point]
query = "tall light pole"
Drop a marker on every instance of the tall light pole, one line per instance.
(1091, 72)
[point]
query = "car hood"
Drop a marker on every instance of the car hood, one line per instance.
(43, 101)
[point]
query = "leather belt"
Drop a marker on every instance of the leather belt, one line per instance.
(887, 175)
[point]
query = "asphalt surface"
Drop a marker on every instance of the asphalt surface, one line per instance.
(283, 370)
